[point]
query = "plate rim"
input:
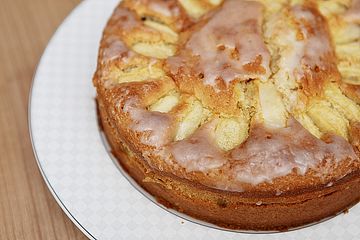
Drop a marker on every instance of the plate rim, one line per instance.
(29, 122)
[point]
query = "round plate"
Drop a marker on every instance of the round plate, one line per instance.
(74, 161)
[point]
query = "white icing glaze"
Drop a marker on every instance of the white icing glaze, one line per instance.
(199, 152)
(278, 192)
(268, 154)
(315, 47)
(230, 44)
(156, 127)
(125, 19)
(330, 184)
(116, 48)
(163, 8)
(353, 13)
(122, 19)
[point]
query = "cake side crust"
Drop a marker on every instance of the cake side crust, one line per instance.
(232, 210)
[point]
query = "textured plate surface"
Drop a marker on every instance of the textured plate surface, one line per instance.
(75, 164)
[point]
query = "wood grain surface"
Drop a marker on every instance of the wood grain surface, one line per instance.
(27, 208)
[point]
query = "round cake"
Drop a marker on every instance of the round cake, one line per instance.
(244, 114)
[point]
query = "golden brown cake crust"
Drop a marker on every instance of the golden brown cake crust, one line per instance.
(283, 166)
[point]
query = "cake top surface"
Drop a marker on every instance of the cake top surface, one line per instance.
(236, 94)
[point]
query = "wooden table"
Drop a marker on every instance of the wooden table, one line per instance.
(27, 208)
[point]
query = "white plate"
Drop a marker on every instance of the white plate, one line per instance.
(76, 166)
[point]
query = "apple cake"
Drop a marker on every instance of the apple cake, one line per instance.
(243, 114)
